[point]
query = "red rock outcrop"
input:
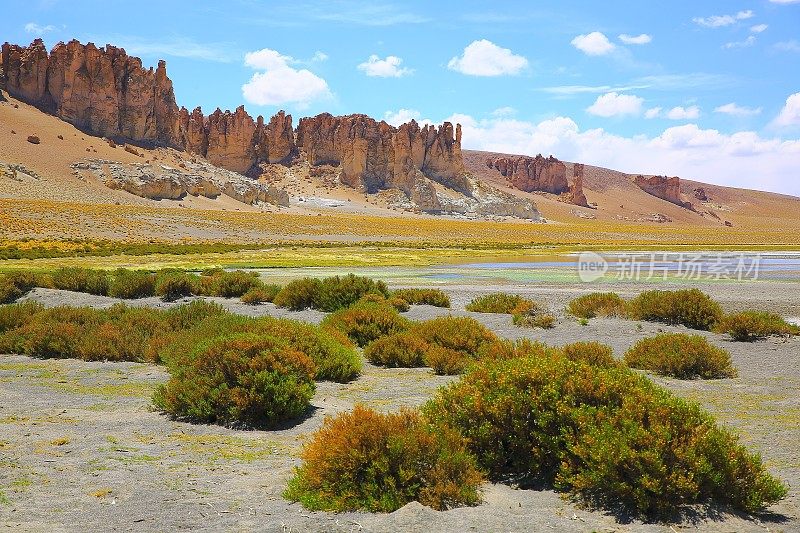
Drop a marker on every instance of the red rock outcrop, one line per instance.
(531, 174)
(106, 92)
(663, 187)
(373, 155)
(575, 194)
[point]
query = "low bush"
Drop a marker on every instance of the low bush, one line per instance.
(259, 295)
(500, 302)
(398, 303)
(369, 461)
(605, 434)
(171, 285)
(455, 342)
(239, 380)
(15, 315)
(328, 294)
(434, 297)
(15, 285)
(229, 284)
(366, 322)
(590, 352)
(298, 294)
(131, 284)
(401, 350)
(681, 356)
(753, 325)
(597, 304)
(537, 320)
(689, 307)
(80, 279)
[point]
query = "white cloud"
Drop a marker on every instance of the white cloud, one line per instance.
(319, 57)
(785, 1)
(788, 46)
(683, 113)
(737, 111)
(758, 28)
(653, 112)
(37, 29)
(638, 39)
(593, 44)
(279, 82)
(401, 116)
(384, 68)
(790, 114)
(176, 46)
(484, 58)
(569, 90)
(686, 151)
(717, 21)
(615, 104)
(504, 112)
(750, 41)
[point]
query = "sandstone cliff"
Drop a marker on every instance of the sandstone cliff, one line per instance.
(531, 174)
(663, 187)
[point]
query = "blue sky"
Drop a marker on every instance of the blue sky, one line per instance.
(707, 90)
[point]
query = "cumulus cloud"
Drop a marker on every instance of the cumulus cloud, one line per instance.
(38, 29)
(718, 21)
(687, 151)
(683, 113)
(653, 112)
(758, 28)
(737, 111)
(277, 82)
(615, 104)
(401, 116)
(484, 58)
(593, 44)
(638, 39)
(790, 114)
(384, 68)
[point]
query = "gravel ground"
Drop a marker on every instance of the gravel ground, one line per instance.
(81, 448)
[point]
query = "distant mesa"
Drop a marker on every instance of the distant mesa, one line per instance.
(663, 187)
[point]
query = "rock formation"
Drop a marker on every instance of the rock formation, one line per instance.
(373, 155)
(700, 194)
(106, 92)
(668, 189)
(575, 194)
(531, 174)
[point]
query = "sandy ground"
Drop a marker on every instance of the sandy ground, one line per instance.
(81, 448)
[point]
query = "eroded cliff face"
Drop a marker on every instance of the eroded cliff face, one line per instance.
(373, 155)
(531, 174)
(108, 93)
(663, 187)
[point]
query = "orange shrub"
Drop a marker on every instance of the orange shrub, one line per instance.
(406, 350)
(369, 461)
(366, 322)
(681, 356)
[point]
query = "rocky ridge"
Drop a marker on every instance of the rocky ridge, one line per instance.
(663, 187)
(540, 174)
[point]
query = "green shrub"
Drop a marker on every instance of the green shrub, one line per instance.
(401, 350)
(538, 320)
(690, 307)
(369, 461)
(80, 279)
(434, 297)
(298, 294)
(171, 286)
(503, 303)
(241, 380)
(753, 325)
(15, 315)
(259, 295)
(16, 284)
(9, 292)
(605, 434)
(231, 284)
(189, 314)
(590, 352)
(602, 304)
(132, 284)
(681, 356)
(455, 342)
(366, 322)
(339, 292)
